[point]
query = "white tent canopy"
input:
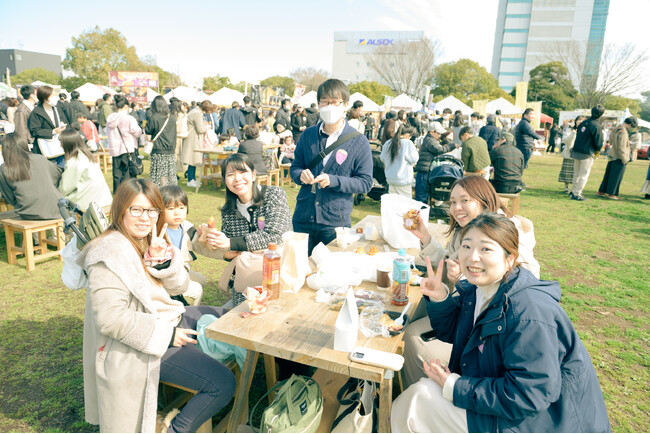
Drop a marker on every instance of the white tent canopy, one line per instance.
(225, 97)
(308, 99)
(405, 102)
(92, 92)
(7, 92)
(368, 104)
(643, 124)
(506, 107)
(151, 94)
(185, 93)
(453, 103)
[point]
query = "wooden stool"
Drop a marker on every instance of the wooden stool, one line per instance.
(263, 179)
(188, 394)
(105, 161)
(27, 228)
(274, 174)
(4, 207)
(510, 201)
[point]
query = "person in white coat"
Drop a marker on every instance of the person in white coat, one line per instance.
(399, 154)
(82, 181)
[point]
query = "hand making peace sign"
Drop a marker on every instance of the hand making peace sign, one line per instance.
(158, 245)
(432, 286)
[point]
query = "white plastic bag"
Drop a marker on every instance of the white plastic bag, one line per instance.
(73, 274)
(393, 207)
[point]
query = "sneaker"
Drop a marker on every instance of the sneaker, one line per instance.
(571, 195)
(611, 196)
(192, 183)
(600, 194)
(580, 198)
(567, 191)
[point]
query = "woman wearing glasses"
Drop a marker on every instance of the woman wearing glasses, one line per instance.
(134, 333)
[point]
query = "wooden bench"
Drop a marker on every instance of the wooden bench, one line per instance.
(4, 207)
(184, 394)
(510, 201)
(284, 171)
(105, 161)
(27, 228)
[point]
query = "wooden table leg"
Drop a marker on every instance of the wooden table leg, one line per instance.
(271, 375)
(11, 244)
(200, 175)
(28, 244)
(243, 387)
(385, 402)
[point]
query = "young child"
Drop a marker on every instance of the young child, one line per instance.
(288, 148)
(89, 129)
(180, 233)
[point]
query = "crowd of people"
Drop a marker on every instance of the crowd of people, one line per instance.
(485, 301)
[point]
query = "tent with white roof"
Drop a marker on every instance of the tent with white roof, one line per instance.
(225, 97)
(453, 103)
(183, 93)
(6, 91)
(92, 92)
(368, 104)
(405, 102)
(308, 99)
(151, 94)
(506, 107)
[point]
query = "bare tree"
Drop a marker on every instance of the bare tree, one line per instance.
(309, 77)
(622, 69)
(406, 66)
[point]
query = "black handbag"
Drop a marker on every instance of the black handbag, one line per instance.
(135, 164)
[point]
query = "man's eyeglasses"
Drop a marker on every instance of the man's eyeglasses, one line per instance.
(137, 211)
(325, 103)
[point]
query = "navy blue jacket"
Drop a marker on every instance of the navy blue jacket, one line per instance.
(525, 134)
(232, 118)
(490, 134)
(522, 366)
(589, 138)
(331, 206)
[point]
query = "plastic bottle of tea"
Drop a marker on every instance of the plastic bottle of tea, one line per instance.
(271, 271)
(401, 278)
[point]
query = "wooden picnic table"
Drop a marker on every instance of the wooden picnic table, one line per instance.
(208, 169)
(297, 328)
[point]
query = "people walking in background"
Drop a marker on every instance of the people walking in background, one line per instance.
(355, 115)
(589, 140)
(525, 135)
(399, 155)
(490, 132)
(567, 170)
(298, 123)
(431, 148)
(28, 92)
(162, 129)
(123, 132)
(104, 111)
(312, 115)
(619, 155)
(196, 128)
(46, 120)
(555, 139)
(233, 118)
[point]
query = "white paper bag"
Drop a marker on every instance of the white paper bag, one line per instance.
(393, 207)
(346, 327)
(294, 264)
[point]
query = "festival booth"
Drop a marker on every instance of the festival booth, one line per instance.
(308, 99)
(506, 107)
(89, 93)
(225, 96)
(405, 102)
(368, 104)
(609, 119)
(453, 103)
(184, 93)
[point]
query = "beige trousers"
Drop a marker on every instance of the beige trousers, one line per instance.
(416, 351)
(421, 408)
(402, 190)
(581, 175)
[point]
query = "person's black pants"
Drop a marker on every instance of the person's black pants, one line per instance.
(318, 233)
(190, 367)
(121, 170)
(527, 153)
(506, 188)
(613, 176)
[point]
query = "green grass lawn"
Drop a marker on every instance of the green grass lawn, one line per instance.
(597, 250)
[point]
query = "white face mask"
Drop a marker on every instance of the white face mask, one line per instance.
(53, 100)
(331, 114)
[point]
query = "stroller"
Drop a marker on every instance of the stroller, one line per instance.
(443, 171)
(89, 225)
(379, 184)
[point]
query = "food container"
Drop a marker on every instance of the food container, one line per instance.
(394, 315)
(257, 299)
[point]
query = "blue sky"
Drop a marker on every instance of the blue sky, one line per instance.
(253, 39)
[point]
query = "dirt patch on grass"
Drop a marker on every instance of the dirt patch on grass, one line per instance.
(602, 316)
(570, 277)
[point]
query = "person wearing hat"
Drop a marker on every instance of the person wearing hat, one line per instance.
(508, 163)
(431, 148)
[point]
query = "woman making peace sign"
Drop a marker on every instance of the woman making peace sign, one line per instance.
(517, 363)
(134, 333)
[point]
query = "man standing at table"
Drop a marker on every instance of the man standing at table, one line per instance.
(525, 135)
(332, 162)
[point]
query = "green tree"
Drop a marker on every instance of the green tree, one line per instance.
(216, 82)
(615, 102)
(644, 113)
(71, 83)
(280, 81)
(29, 76)
(462, 79)
(372, 89)
(96, 52)
(550, 83)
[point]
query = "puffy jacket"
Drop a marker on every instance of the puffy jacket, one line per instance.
(489, 133)
(522, 366)
(251, 115)
(525, 134)
(312, 116)
(430, 149)
(619, 140)
(589, 138)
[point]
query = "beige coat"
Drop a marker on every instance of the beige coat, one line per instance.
(620, 144)
(120, 378)
(194, 140)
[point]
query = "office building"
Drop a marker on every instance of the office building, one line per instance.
(532, 32)
(349, 62)
(20, 60)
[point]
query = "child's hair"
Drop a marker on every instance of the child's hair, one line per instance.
(288, 138)
(224, 138)
(174, 195)
(230, 131)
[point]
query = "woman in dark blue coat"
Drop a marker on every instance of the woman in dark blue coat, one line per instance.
(517, 363)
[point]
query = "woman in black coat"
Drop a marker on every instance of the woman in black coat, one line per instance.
(46, 120)
(253, 148)
(298, 123)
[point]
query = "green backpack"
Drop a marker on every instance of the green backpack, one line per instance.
(297, 407)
